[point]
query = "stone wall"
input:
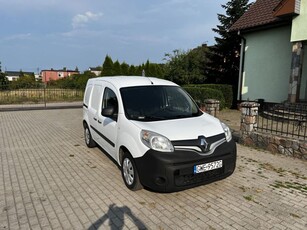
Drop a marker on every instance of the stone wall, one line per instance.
(250, 136)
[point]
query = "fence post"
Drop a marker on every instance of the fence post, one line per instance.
(45, 95)
(212, 107)
(249, 114)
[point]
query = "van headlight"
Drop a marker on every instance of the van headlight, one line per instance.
(227, 132)
(156, 141)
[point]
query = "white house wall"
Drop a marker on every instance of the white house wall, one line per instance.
(267, 65)
(299, 28)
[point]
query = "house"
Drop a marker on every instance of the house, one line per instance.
(95, 70)
(52, 74)
(273, 66)
(15, 75)
(37, 77)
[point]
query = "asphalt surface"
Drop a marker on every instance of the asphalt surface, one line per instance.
(49, 179)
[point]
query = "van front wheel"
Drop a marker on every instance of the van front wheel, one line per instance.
(129, 173)
(88, 137)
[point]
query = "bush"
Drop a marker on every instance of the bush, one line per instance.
(226, 90)
(201, 94)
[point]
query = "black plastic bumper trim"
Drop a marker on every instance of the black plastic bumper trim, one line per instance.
(175, 169)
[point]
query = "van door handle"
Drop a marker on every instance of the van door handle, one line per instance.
(99, 122)
(95, 119)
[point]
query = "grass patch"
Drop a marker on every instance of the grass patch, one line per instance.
(248, 198)
(270, 167)
(291, 185)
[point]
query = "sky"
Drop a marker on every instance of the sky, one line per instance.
(45, 34)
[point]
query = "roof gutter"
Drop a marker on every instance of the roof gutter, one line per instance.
(241, 68)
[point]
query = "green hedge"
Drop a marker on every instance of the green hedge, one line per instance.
(201, 94)
(226, 91)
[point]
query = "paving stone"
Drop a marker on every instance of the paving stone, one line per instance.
(46, 182)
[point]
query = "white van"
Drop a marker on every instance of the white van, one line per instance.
(156, 133)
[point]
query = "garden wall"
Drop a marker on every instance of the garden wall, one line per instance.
(249, 135)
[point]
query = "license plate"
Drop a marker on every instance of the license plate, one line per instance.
(208, 166)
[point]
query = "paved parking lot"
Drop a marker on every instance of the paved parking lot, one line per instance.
(49, 179)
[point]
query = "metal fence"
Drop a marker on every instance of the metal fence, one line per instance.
(40, 95)
(283, 119)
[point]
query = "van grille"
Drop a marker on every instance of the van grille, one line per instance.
(197, 145)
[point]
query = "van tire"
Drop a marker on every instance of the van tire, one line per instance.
(129, 173)
(88, 137)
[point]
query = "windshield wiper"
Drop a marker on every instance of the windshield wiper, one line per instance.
(153, 118)
(146, 118)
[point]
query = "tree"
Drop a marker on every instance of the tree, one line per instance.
(138, 70)
(3, 80)
(176, 67)
(124, 68)
(186, 67)
(80, 80)
(107, 67)
(161, 70)
(116, 69)
(132, 70)
(24, 81)
(225, 54)
(198, 60)
(151, 69)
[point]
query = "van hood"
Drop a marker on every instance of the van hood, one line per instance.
(185, 128)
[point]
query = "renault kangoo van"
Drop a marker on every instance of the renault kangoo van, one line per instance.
(156, 133)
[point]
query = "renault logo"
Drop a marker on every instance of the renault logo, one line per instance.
(204, 145)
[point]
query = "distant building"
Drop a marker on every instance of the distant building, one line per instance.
(15, 75)
(38, 77)
(95, 70)
(52, 74)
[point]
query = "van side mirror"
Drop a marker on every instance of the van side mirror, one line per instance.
(108, 112)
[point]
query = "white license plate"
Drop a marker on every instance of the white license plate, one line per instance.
(208, 166)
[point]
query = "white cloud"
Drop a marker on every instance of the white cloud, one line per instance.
(80, 20)
(43, 5)
(18, 37)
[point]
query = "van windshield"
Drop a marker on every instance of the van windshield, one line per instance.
(153, 103)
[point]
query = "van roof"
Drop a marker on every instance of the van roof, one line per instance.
(128, 81)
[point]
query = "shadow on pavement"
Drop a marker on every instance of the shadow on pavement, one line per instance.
(115, 215)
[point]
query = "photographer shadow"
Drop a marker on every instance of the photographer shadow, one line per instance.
(115, 215)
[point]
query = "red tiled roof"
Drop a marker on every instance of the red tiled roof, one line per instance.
(259, 14)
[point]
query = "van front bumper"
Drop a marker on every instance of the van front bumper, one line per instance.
(174, 171)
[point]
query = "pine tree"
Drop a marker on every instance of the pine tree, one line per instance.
(132, 70)
(146, 68)
(3, 80)
(107, 67)
(117, 69)
(225, 54)
(139, 70)
(124, 68)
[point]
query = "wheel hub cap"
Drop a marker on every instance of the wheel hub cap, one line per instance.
(128, 171)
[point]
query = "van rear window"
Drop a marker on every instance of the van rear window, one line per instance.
(87, 95)
(96, 97)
